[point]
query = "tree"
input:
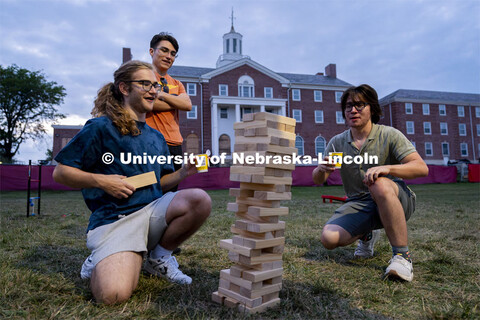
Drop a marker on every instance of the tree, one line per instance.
(27, 101)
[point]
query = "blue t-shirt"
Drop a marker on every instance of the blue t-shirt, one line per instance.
(100, 136)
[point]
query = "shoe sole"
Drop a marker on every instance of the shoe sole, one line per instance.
(394, 274)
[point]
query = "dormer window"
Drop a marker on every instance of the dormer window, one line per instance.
(246, 87)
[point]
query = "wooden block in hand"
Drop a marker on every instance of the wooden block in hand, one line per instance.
(142, 180)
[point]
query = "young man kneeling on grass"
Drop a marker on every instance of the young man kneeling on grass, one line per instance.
(125, 222)
(377, 196)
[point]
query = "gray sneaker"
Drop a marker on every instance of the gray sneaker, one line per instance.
(167, 269)
(365, 248)
(399, 268)
(87, 268)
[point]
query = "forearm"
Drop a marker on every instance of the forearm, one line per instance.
(74, 177)
(170, 180)
(411, 170)
(167, 102)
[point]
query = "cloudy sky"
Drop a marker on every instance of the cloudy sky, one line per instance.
(389, 44)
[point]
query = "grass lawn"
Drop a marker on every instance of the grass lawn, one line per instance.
(41, 259)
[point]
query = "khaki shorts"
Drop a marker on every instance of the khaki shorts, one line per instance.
(360, 216)
(137, 232)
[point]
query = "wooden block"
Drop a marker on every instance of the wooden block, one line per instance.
(248, 117)
(274, 133)
(236, 207)
(239, 192)
(261, 244)
(270, 296)
(261, 308)
(266, 212)
(230, 303)
(142, 180)
(246, 216)
(256, 293)
(240, 132)
(237, 270)
(244, 251)
(261, 275)
(225, 274)
(272, 160)
(289, 128)
(241, 177)
(269, 180)
(267, 195)
(217, 298)
(238, 297)
(260, 203)
(274, 117)
(250, 140)
(222, 283)
(265, 227)
(248, 234)
(265, 187)
(264, 257)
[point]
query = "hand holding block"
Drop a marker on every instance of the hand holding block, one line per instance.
(142, 180)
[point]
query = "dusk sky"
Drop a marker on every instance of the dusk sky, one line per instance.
(391, 45)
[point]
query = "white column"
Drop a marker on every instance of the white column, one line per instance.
(262, 108)
(237, 113)
(214, 129)
(283, 111)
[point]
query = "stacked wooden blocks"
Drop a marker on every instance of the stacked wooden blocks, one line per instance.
(254, 282)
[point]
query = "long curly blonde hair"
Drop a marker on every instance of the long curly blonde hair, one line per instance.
(109, 100)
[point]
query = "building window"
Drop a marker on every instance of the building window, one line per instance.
(223, 113)
(268, 92)
(191, 89)
(427, 128)
(478, 130)
(442, 110)
(299, 145)
(444, 128)
(408, 108)
(223, 90)
(426, 108)
(462, 129)
(320, 145)
(410, 127)
(339, 117)
(338, 96)
(461, 111)
(477, 112)
(228, 45)
(297, 115)
(192, 114)
(318, 116)
(464, 149)
(445, 149)
(296, 95)
(245, 86)
(245, 111)
(428, 149)
(317, 96)
(224, 144)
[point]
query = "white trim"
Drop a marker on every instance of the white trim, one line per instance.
(315, 97)
(248, 101)
(460, 132)
(300, 114)
(299, 95)
(194, 109)
(425, 123)
(194, 89)
(315, 116)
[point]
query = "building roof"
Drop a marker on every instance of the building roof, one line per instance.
(314, 79)
(441, 97)
(294, 78)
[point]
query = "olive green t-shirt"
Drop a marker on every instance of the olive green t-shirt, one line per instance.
(388, 144)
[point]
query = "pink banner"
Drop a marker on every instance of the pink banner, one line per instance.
(15, 177)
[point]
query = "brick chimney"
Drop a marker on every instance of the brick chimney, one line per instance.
(127, 55)
(331, 70)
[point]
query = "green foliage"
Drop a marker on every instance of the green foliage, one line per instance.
(27, 101)
(41, 259)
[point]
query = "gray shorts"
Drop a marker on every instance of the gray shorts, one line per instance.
(359, 216)
(137, 232)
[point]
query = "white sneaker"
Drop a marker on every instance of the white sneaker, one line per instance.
(167, 269)
(400, 268)
(87, 268)
(365, 248)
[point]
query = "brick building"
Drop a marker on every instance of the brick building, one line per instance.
(441, 125)
(444, 124)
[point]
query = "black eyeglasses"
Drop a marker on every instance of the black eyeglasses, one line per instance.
(146, 84)
(164, 85)
(358, 105)
(168, 52)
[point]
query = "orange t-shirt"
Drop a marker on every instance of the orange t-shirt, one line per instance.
(167, 121)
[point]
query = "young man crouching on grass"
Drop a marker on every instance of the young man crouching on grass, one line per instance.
(126, 223)
(377, 196)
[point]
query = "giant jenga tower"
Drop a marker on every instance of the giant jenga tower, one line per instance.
(253, 283)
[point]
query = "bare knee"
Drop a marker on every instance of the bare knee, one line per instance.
(110, 296)
(383, 188)
(330, 239)
(199, 202)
